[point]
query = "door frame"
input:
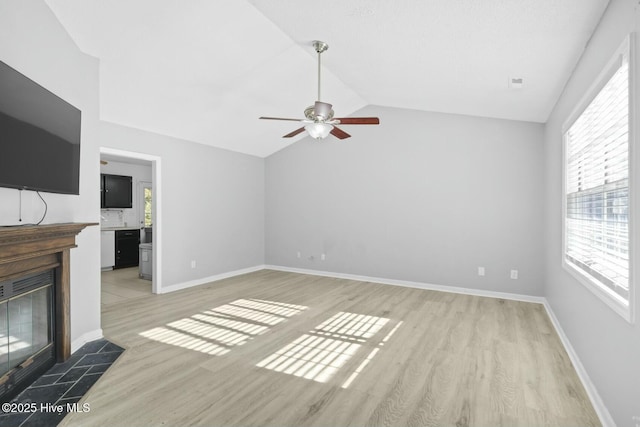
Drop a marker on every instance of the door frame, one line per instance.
(156, 206)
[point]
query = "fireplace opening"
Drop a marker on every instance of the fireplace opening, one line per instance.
(27, 331)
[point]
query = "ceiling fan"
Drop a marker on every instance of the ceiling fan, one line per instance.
(319, 121)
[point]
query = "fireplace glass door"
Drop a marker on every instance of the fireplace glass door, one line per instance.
(25, 326)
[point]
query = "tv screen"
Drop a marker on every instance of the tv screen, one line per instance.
(39, 137)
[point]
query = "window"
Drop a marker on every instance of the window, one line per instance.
(596, 214)
(147, 206)
(145, 203)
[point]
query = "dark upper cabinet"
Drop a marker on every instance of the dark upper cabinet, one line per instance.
(116, 191)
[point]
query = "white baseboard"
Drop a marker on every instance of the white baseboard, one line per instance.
(596, 400)
(409, 284)
(215, 278)
(85, 338)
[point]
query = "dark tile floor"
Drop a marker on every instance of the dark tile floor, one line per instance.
(57, 392)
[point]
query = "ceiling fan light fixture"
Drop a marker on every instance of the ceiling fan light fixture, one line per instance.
(318, 130)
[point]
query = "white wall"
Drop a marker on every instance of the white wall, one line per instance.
(33, 42)
(607, 345)
(212, 204)
(422, 197)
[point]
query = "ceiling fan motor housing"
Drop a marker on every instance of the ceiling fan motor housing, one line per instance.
(317, 114)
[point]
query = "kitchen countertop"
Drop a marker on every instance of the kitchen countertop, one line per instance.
(118, 228)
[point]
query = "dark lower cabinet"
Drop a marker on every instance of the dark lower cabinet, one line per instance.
(127, 244)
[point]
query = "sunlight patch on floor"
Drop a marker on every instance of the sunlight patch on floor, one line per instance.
(371, 355)
(311, 357)
(319, 354)
(217, 331)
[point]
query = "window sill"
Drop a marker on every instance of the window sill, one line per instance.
(624, 310)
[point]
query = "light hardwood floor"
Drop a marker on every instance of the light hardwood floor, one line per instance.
(121, 285)
(284, 349)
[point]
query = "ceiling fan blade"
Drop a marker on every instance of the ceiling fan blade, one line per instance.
(339, 133)
(322, 109)
(294, 133)
(359, 121)
(279, 118)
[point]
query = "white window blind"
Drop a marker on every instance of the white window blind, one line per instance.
(597, 187)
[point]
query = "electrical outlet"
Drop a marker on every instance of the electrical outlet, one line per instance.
(480, 271)
(514, 274)
(323, 257)
(193, 263)
(299, 254)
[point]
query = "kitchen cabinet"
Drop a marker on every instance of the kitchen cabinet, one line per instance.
(107, 249)
(115, 191)
(127, 243)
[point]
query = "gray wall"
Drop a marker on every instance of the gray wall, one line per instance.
(212, 204)
(608, 346)
(422, 197)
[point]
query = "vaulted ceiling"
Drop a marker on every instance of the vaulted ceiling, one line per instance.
(206, 70)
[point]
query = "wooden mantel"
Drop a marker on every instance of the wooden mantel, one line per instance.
(32, 249)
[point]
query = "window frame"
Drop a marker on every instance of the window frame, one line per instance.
(627, 311)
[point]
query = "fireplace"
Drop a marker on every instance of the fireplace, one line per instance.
(34, 302)
(27, 346)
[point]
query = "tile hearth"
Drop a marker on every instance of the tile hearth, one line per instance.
(65, 383)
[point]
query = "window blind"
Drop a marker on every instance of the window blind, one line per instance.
(597, 187)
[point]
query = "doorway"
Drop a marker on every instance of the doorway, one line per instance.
(145, 215)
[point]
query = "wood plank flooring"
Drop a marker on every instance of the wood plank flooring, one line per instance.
(284, 349)
(121, 285)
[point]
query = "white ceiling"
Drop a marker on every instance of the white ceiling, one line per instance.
(206, 70)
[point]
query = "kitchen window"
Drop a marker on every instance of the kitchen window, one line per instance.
(597, 208)
(147, 206)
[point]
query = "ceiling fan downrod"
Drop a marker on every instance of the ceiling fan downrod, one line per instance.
(320, 47)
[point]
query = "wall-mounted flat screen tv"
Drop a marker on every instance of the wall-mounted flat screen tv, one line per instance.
(39, 137)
